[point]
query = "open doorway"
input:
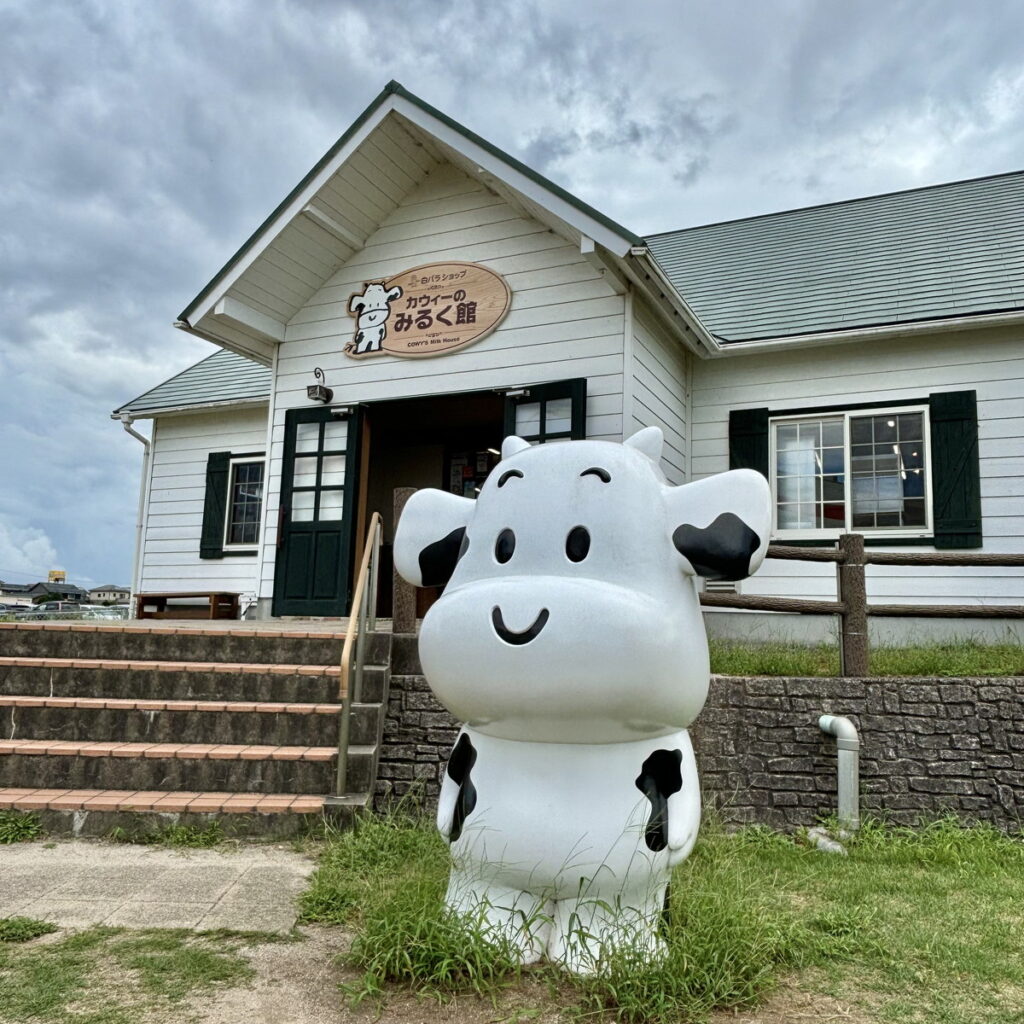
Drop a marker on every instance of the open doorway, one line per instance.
(450, 442)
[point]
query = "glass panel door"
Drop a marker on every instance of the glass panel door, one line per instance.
(315, 533)
(542, 413)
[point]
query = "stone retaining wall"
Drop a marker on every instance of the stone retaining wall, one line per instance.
(928, 746)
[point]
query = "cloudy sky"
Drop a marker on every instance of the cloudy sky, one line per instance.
(143, 140)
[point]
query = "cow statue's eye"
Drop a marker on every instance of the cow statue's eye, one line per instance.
(577, 544)
(504, 546)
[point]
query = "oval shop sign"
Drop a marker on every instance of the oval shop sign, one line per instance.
(427, 311)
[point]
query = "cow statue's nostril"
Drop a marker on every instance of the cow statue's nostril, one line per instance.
(518, 638)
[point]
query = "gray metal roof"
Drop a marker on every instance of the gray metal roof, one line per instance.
(945, 251)
(223, 377)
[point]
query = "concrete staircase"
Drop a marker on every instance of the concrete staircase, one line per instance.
(122, 726)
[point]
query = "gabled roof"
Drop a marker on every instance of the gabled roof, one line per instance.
(67, 589)
(220, 379)
(329, 215)
(17, 588)
(933, 253)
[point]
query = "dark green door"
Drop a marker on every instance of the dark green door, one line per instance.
(318, 511)
(548, 412)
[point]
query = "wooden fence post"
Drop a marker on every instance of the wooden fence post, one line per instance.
(403, 602)
(853, 647)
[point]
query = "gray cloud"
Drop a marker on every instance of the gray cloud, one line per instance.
(143, 142)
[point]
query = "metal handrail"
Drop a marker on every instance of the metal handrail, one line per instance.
(362, 617)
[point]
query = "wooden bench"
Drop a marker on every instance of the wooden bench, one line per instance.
(220, 604)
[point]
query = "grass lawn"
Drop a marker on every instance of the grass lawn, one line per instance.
(912, 926)
(111, 975)
(962, 658)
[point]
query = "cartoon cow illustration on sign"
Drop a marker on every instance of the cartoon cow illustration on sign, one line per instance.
(569, 639)
(373, 307)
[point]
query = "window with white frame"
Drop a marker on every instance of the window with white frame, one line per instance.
(244, 503)
(865, 471)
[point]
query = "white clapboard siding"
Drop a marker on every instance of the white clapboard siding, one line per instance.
(659, 389)
(990, 362)
(174, 518)
(564, 321)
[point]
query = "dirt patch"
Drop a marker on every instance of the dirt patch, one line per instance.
(791, 1005)
(295, 983)
(298, 983)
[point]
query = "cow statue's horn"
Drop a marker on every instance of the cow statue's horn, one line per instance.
(513, 445)
(650, 441)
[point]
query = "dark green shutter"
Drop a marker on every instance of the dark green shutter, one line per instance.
(748, 440)
(211, 544)
(956, 486)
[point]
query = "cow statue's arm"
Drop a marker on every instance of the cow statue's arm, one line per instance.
(668, 778)
(684, 809)
(458, 794)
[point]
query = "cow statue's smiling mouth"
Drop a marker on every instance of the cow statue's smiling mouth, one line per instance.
(518, 638)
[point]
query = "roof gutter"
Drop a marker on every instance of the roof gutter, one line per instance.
(646, 272)
(881, 332)
(140, 516)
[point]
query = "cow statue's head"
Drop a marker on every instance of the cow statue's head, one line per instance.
(570, 612)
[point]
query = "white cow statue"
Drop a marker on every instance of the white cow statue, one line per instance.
(569, 639)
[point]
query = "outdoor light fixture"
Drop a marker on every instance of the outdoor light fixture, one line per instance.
(319, 392)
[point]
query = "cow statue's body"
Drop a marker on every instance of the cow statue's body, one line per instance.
(569, 639)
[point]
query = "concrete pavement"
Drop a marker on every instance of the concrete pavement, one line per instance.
(77, 884)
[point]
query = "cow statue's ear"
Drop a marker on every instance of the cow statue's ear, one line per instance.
(513, 445)
(650, 441)
(721, 525)
(431, 537)
(356, 302)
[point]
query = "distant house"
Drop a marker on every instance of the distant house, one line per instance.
(33, 591)
(865, 356)
(109, 592)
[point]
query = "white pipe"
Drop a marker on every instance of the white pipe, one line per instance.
(847, 767)
(126, 422)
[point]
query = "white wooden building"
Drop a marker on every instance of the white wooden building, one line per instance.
(866, 356)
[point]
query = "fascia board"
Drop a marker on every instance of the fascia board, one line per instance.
(176, 410)
(288, 209)
(646, 274)
(516, 175)
(882, 332)
(258, 351)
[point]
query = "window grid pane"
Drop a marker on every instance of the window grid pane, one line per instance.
(888, 471)
(809, 474)
(246, 499)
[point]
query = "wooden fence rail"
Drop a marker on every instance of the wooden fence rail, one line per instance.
(852, 605)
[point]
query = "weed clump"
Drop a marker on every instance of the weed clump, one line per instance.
(387, 877)
(20, 827)
(174, 835)
(23, 929)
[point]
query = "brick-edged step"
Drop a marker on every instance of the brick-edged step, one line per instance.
(139, 720)
(150, 643)
(158, 800)
(96, 812)
(106, 724)
(66, 764)
(178, 680)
